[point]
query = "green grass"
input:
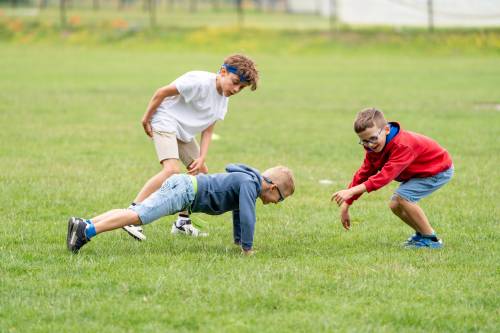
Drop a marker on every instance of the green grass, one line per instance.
(72, 144)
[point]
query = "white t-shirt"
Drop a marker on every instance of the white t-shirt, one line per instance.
(197, 106)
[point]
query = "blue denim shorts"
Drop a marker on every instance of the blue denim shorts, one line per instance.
(175, 195)
(417, 188)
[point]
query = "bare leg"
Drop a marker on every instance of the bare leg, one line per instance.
(117, 218)
(396, 209)
(412, 215)
(101, 217)
(170, 167)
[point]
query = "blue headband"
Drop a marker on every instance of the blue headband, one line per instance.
(234, 70)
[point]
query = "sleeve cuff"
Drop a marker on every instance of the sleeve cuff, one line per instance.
(369, 186)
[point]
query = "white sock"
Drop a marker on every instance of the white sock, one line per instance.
(181, 220)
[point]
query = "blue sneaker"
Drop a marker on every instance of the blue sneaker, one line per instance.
(427, 242)
(414, 238)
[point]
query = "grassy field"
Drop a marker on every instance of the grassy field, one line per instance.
(72, 144)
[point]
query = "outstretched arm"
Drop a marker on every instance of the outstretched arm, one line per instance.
(248, 196)
(343, 196)
(236, 227)
(345, 219)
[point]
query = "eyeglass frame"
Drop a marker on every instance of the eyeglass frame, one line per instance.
(370, 141)
(269, 181)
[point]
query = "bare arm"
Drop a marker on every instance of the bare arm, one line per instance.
(344, 216)
(206, 137)
(154, 103)
(342, 196)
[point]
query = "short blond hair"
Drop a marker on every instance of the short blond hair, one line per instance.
(246, 68)
(369, 118)
(283, 178)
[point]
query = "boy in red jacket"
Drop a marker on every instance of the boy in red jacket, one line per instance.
(418, 162)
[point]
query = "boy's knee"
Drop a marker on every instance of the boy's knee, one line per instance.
(136, 219)
(395, 204)
(171, 166)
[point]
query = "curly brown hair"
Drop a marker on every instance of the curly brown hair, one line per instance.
(246, 67)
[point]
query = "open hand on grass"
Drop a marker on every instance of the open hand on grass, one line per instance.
(344, 216)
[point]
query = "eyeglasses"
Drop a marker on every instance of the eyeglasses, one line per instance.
(371, 141)
(269, 181)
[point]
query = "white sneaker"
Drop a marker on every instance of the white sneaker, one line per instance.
(187, 229)
(135, 231)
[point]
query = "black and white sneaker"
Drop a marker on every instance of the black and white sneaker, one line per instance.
(71, 220)
(76, 234)
(187, 228)
(135, 231)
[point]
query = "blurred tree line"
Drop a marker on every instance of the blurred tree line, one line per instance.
(191, 5)
(151, 6)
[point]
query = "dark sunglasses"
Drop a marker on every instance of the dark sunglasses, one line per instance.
(269, 181)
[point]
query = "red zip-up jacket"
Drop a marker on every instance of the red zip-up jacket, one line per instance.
(408, 155)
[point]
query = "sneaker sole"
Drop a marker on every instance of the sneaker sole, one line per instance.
(71, 241)
(139, 236)
(70, 221)
(416, 246)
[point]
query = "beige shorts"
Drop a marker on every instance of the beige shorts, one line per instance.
(169, 147)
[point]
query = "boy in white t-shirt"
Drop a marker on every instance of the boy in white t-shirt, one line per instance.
(191, 104)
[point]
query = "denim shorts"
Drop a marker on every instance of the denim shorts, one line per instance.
(175, 195)
(417, 188)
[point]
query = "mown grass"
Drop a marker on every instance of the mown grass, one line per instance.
(72, 144)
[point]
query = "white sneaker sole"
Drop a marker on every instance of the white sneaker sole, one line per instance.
(135, 232)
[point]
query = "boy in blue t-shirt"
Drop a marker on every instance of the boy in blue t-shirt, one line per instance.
(236, 190)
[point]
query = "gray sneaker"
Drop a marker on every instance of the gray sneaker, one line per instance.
(76, 234)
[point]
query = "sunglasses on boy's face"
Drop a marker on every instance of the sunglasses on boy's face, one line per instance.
(371, 141)
(269, 181)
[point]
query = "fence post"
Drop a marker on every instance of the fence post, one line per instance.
(215, 5)
(62, 12)
(42, 4)
(193, 6)
(170, 5)
(239, 11)
(333, 16)
(152, 13)
(430, 15)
